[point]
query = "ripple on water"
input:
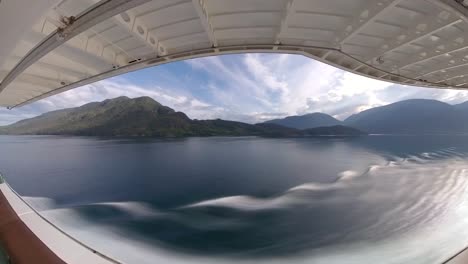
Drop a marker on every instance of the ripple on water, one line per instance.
(392, 205)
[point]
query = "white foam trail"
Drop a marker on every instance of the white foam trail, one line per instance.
(416, 159)
(348, 175)
(247, 203)
(40, 203)
(136, 209)
(426, 155)
(436, 191)
(291, 197)
(408, 248)
(312, 186)
(122, 246)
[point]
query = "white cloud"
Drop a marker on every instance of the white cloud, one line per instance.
(8, 116)
(264, 75)
(311, 86)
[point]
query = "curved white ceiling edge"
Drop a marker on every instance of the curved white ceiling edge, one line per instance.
(78, 42)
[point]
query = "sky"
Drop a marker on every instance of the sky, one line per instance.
(243, 87)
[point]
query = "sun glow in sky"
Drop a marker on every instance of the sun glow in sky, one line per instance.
(245, 87)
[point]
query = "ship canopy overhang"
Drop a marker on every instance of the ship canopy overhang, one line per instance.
(50, 46)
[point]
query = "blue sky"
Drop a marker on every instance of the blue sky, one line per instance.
(244, 87)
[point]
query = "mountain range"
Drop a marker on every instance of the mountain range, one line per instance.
(144, 116)
(415, 116)
(306, 121)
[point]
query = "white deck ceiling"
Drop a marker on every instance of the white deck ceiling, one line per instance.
(413, 42)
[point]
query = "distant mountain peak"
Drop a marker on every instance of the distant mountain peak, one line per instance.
(120, 98)
(315, 113)
(310, 120)
(414, 116)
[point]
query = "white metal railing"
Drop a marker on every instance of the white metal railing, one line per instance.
(61, 231)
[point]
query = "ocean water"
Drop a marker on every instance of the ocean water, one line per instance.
(374, 199)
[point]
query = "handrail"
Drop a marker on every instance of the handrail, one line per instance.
(93, 251)
(3, 252)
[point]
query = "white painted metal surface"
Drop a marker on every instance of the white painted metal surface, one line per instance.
(61, 46)
(65, 247)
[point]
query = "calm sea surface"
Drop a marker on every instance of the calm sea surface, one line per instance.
(374, 199)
